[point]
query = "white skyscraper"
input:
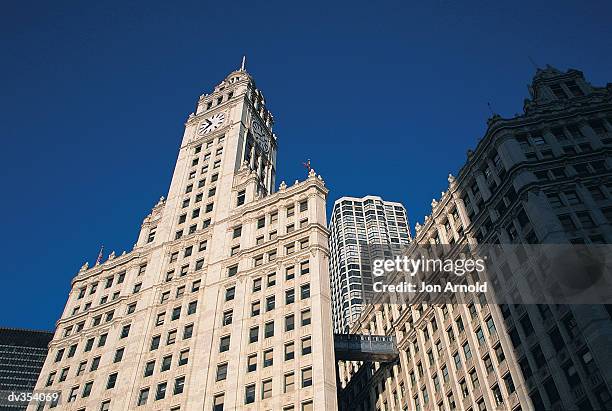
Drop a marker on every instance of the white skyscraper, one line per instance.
(224, 302)
(355, 225)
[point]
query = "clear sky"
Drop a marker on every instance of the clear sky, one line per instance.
(384, 98)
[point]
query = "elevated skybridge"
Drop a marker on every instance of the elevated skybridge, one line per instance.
(358, 347)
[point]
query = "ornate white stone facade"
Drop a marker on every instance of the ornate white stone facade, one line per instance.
(224, 302)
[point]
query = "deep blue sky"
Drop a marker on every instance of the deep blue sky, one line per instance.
(385, 98)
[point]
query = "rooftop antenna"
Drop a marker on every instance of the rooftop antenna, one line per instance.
(533, 62)
(243, 63)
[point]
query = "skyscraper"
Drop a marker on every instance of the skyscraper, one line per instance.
(542, 177)
(224, 302)
(22, 354)
(355, 225)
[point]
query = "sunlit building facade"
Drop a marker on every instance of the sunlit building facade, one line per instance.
(224, 302)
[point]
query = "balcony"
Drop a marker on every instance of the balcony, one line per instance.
(356, 347)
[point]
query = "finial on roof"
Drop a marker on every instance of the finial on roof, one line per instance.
(243, 63)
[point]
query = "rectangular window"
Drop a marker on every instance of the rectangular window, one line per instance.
(289, 296)
(183, 358)
(192, 307)
(304, 267)
(257, 284)
(268, 358)
(227, 317)
(73, 393)
(143, 396)
(81, 368)
(224, 344)
(289, 351)
(253, 334)
(119, 355)
(306, 317)
(270, 303)
(149, 368)
(290, 273)
(188, 331)
(240, 198)
(112, 380)
(289, 383)
(306, 345)
(171, 337)
(125, 331)
(269, 329)
(249, 394)
(180, 291)
(306, 377)
(261, 222)
(221, 372)
(255, 308)
(252, 363)
(266, 389)
(176, 313)
(218, 402)
(305, 291)
(289, 322)
(230, 293)
(166, 363)
(94, 364)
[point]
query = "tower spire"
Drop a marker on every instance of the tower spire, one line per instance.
(243, 63)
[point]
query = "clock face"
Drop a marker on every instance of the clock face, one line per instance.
(261, 136)
(211, 123)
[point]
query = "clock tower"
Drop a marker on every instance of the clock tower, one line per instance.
(224, 303)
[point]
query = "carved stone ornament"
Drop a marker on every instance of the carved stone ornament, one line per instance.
(85, 266)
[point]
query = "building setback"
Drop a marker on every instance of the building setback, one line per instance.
(22, 354)
(355, 224)
(224, 302)
(540, 177)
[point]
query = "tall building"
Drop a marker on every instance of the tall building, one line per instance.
(224, 302)
(22, 354)
(544, 176)
(355, 224)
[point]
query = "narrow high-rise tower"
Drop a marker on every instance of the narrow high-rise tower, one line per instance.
(355, 226)
(224, 302)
